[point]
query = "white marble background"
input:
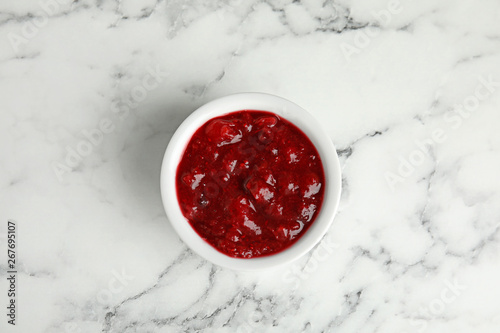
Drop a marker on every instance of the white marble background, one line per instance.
(92, 90)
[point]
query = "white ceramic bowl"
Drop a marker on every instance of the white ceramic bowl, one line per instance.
(285, 109)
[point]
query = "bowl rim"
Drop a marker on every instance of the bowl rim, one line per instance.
(285, 109)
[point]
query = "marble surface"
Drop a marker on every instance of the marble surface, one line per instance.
(92, 90)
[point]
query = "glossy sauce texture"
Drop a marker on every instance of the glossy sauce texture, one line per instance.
(250, 183)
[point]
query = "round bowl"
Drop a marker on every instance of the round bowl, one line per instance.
(285, 109)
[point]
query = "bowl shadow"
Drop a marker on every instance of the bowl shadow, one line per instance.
(149, 131)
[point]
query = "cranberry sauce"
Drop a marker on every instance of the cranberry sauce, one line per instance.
(250, 183)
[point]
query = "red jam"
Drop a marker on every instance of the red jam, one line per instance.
(250, 183)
